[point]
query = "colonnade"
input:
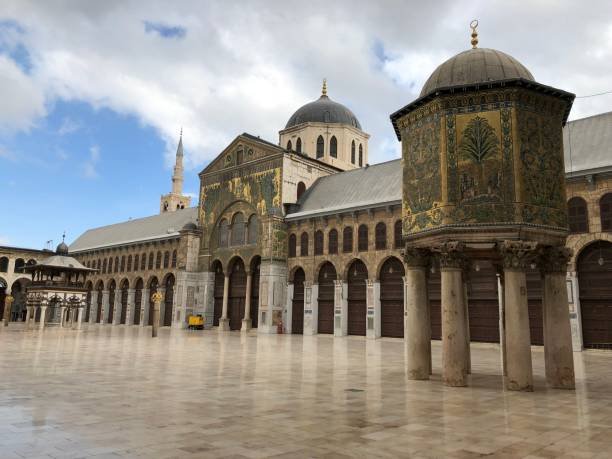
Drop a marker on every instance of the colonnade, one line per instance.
(247, 322)
(69, 317)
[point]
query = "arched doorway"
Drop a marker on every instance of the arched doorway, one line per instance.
(595, 289)
(357, 275)
(218, 292)
(138, 300)
(3, 287)
(392, 298)
(237, 294)
(255, 268)
(483, 302)
(111, 301)
(153, 284)
(124, 298)
(327, 276)
(17, 312)
(99, 301)
(169, 300)
(297, 304)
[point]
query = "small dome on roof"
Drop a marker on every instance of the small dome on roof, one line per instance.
(190, 226)
(323, 110)
(62, 249)
(477, 65)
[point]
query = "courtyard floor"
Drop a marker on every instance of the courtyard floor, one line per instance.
(115, 392)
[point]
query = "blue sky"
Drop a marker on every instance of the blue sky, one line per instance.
(94, 94)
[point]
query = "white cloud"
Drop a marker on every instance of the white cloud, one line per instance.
(89, 167)
(68, 126)
(221, 68)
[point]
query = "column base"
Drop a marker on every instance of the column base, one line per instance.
(246, 325)
(224, 325)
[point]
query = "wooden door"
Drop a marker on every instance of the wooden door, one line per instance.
(534, 302)
(111, 304)
(168, 302)
(137, 303)
(435, 304)
(124, 294)
(483, 303)
(595, 284)
(297, 305)
(392, 298)
(237, 295)
(357, 290)
(99, 312)
(325, 321)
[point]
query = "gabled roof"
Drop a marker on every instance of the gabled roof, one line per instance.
(59, 262)
(156, 227)
(587, 144)
(366, 187)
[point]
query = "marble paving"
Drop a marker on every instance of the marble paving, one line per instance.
(113, 391)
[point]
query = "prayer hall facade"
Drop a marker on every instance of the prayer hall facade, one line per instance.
(304, 236)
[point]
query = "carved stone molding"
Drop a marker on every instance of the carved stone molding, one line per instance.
(416, 257)
(555, 259)
(517, 254)
(451, 255)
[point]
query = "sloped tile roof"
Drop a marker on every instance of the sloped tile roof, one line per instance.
(140, 229)
(587, 143)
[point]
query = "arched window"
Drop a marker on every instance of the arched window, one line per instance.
(104, 266)
(99, 264)
(116, 264)
(353, 152)
(360, 155)
(578, 218)
(298, 145)
(166, 259)
(347, 239)
(289, 146)
(318, 242)
(110, 265)
(304, 244)
(4, 261)
(143, 261)
(362, 238)
(252, 229)
(380, 233)
(122, 263)
(301, 188)
(158, 260)
(129, 263)
(238, 229)
(223, 233)
(332, 242)
(397, 234)
(320, 147)
(174, 258)
(605, 211)
(151, 260)
(136, 261)
(333, 147)
(292, 244)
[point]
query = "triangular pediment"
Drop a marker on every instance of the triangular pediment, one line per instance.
(243, 149)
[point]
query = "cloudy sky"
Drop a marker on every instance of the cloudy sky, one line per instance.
(94, 93)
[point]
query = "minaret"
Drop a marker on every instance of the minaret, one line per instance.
(175, 199)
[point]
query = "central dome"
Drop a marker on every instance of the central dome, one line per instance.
(474, 66)
(323, 110)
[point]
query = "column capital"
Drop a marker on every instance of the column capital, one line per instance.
(517, 254)
(370, 282)
(416, 257)
(450, 255)
(338, 282)
(555, 259)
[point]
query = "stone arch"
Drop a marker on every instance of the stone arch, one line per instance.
(317, 270)
(168, 282)
(391, 274)
(138, 287)
(298, 277)
(255, 266)
(99, 290)
(219, 280)
(356, 277)
(112, 287)
(124, 285)
(382, 262)
(347, 266)
(326, 276)
(153, 285)
(237, 292)
(293, 271)
(151, 280)
(581, 243)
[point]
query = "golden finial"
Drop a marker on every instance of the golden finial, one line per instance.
(324, 90)
(473, 26)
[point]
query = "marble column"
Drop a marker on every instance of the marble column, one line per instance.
(62, 316)
(340, 308)
(516, 256)
(129, 315)
(466, 303)
(28, 316)
(558, 353)
(246, 321)
(117, 307)
(93, 308)
(575, 312)
(156, 298)
(105, 306)
(311, 308)
(144, 308)
(43, 314)
(373, 311)
(79, 318)
(288, 316)
(454, 320)
(417, 326)
(223, 320)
